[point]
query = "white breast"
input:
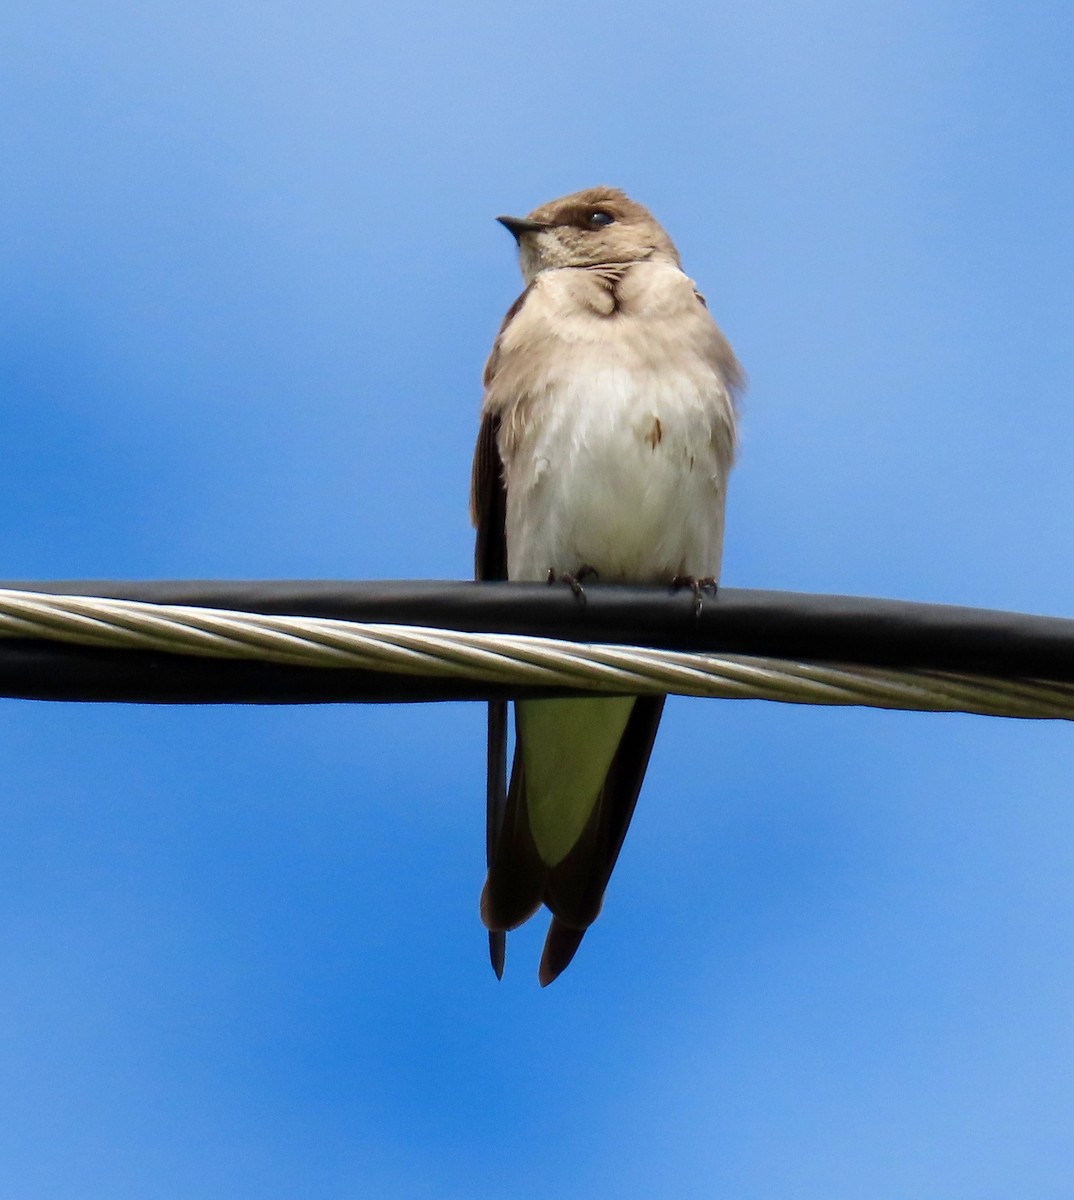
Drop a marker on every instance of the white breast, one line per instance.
(617, 457)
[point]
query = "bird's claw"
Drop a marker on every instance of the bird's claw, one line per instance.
(698, 586)
(574, 581)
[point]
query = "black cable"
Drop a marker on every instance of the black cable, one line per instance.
(787, 625)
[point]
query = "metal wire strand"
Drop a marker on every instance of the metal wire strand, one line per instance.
(512, 659)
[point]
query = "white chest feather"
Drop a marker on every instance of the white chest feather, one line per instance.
(619, 474)
(618, 447)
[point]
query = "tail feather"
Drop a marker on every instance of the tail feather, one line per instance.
(519, 880)
(576, 886)
(559, 948)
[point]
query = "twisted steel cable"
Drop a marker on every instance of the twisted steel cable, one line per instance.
(886, 654)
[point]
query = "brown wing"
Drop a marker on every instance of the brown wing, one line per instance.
(488, 507)
(488, 491)
(488, 511)
(488, 503)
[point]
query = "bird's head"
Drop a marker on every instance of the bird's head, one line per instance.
(599, 226)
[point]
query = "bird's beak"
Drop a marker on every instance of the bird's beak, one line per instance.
(517, 226)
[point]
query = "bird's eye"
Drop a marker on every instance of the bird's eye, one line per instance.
(599, 218)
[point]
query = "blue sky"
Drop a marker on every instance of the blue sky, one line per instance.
(248, 278)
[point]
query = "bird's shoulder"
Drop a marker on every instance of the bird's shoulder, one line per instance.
(509, 317)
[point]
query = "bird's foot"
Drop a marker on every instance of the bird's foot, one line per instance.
(574, 581)
(698, 586)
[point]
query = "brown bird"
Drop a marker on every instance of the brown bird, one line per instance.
(607, 438)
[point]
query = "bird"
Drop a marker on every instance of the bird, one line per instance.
(607, 435)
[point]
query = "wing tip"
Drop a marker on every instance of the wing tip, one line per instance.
(497, 951)
(560, 947)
